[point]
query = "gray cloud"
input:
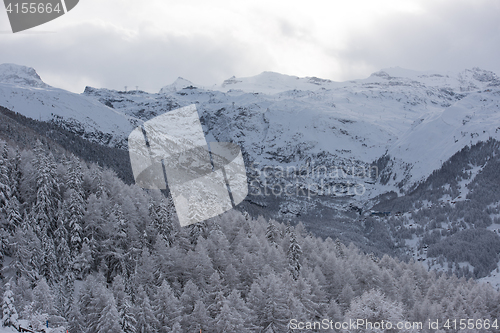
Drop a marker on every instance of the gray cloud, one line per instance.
(449, 35)
(104, 56)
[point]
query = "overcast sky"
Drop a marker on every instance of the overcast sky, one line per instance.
(117, 43)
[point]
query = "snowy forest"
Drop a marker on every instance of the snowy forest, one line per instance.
(91, 254)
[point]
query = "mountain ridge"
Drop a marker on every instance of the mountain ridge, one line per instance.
(286, 120)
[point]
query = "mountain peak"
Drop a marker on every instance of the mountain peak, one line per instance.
(21, 76)
(179, 84)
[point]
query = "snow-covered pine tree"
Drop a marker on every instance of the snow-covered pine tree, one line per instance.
(75, 321)
(268, 301)
(109, 321)
(82, 264)
(189, 296)
(146, 320)
(47, 191)
(231, 277)
(64, 290)
(214, 291)
(124, 306)
(5, 183)
(229, 320)
(75, 209)
(196, 231)
(238, 304)
(4, 246)
(10, 315)
(272, 233)
(93, 298)
(27, 255)
(48, 267)
(167, 307)
(62, 251)
(16, 175)
(340, 248)
(43, 298)
(96, 184)
(22, 289)
(294, 255)
(75, 176)
(116, 250)
(200, 267)
(198, 319)
(302, 291)
(161, 216)
(373, 306)
(92, 223)
(14, 218)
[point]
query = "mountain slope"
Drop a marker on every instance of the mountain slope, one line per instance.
(22, 90)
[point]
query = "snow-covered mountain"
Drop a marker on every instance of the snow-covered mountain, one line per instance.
(419, 119)
(23, 91)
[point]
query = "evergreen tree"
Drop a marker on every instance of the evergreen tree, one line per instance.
(198, 319)
(75, 176)
(231, 277)
(167, 307)
(272, 233)
(5, 183)
(214, 294)
(189, 297)
(144, 315)
(43, 298)
(27, 256)
(74, 216)
(109, 321)
(62, 250)
(294, 255)
(268, 300)
(302, 291)
(93, 298)
(64, 294)
(15, 175)
(48, 267)
(97, 183)
(237, 303)
(47, 192)
(10, 315)
(123, 305)
(162, 219)
(229, 320)
(373, 306)
(75, 321)
(82, 264)
(14, 218)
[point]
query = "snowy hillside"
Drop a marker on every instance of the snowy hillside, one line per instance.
(22, 90)
(420, 118)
